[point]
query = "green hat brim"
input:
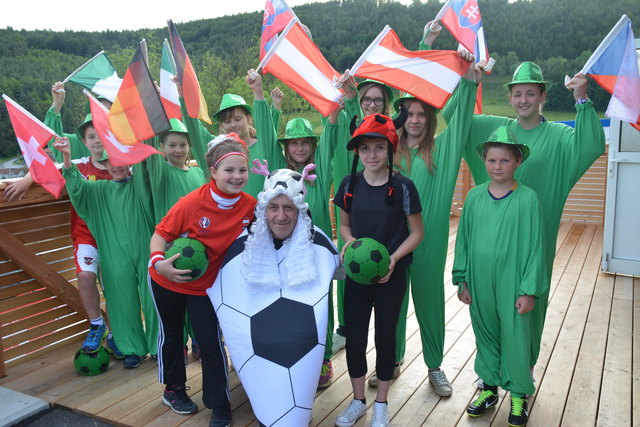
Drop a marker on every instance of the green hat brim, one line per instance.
(80, 129)
(522, 147)
(546, 84)
(396, 103)
(386, 87)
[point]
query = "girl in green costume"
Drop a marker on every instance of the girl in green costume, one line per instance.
(499, 269)
(300, 147)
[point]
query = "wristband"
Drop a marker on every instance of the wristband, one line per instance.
(460, 287)
(581, 101)
(155, 257)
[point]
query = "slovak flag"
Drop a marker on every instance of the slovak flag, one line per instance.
(297, 62)
(119, 154)
(429, 75)
(32, 136)
(614, 66)
(277, 14)
(462, 19)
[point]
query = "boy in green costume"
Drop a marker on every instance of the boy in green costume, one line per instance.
(499, 269)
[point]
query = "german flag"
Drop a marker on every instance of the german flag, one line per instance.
(137, 113)
(195, 103)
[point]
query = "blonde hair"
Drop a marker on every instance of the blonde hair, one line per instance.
(426, 145)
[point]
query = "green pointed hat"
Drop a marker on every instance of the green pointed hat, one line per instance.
(385, 87)
(87, 121)
(528, 72)
(298, 128)
(503, 135)
(230, 100)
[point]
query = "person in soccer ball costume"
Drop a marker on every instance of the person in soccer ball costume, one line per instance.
(280, 271)
(385, 206)
(215, 214)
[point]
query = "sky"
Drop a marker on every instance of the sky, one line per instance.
(122, 14)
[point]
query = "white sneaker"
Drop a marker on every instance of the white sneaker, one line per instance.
(440, 383)
(349, 416)
(339, 343)
(380, 415)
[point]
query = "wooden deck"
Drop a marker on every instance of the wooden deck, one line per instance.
(588, 372)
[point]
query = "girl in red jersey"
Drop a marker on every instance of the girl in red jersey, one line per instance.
(215, 214)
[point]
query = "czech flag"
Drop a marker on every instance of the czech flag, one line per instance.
(137, 113)
(429, 75)
(277, 15)
(614, 67)
(193, 98)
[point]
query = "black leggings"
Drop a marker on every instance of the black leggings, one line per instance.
(358, 302)
(171, 307)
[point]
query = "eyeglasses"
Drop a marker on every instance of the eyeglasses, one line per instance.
(376, 101)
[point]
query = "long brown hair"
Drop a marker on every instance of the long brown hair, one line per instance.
(426, 145)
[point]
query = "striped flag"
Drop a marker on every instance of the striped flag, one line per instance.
(296, 61)
(614, 66)
(168, 89)
(98, 75)
(429, 75)
(193, 98)
(119, 154)
(277, 15)
(137, 113)
(32, 136)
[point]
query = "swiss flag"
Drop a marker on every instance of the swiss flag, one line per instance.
(32, 136)
(119, 154)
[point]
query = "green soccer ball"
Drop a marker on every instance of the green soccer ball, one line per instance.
(366, 261)
(193, 256)
(92, 363)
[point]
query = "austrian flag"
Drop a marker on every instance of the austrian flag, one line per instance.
(429, 75)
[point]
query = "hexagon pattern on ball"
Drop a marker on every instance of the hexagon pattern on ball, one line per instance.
(92, 363)
(366, 261)
(193, 256)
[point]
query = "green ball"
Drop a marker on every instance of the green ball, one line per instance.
(193, 256)
(366, 261)
(91, 363)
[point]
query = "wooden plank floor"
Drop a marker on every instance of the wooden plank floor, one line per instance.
(588, 372)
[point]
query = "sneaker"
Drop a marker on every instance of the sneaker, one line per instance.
(373, 379)
(195, 351)
(185, 352)
(519, 415)
(326, 373)
(339, 342)
(112, 348)
(440, 383)
(175, 397)
(132, 361)
(380, 415)
(349, 416)
(485, 400)
(94, 339)
(222, 419)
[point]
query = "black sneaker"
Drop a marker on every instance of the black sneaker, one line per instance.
(175, 397)
(519, 415)
(486, 400)
(220, 419)
(132, 361)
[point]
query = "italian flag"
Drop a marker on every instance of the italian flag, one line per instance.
(99, 76)
(168, 89)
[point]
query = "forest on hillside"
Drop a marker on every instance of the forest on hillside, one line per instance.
(559, 35)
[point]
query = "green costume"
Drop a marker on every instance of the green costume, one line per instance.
(429, 258)
(318, 192)
(560, 155)
(119, 217)
(78, 149)
(500, 255)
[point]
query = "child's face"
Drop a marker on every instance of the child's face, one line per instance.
(118, 173)
(526, 99)
(416, 121)
(299, 150)
(501, 164)
(375, 99)
(236, 122)
(176, 148)
(231, 174)
(92, 141)
(374, 154)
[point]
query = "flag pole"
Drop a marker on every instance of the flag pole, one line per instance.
(269, 54)
(82, 66)
(364, 55)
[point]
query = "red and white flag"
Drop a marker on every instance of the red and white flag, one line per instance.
(429, 75)
(119, 154)
(296, 61)
(32, 136)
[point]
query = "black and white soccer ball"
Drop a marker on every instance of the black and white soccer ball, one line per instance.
(288, 179)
